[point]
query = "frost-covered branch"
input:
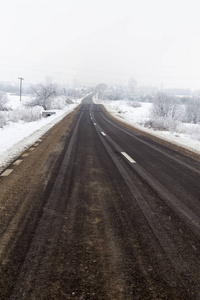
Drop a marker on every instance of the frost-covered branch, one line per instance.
(43, 95)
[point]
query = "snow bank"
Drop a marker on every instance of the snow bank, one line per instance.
(16, 137)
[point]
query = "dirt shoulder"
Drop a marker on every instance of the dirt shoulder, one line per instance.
(33, 166)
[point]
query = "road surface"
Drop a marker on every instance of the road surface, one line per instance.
(95, 210)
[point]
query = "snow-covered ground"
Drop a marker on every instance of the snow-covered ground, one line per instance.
(16, 137)
(136, 117)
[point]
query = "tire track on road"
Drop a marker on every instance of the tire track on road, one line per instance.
(192, 220)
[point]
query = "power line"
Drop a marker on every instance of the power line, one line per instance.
(95, 70)
(97, 75)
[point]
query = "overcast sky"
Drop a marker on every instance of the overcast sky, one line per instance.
(156, 41)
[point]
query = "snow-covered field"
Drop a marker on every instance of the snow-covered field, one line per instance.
(185, 137)
(16, 137)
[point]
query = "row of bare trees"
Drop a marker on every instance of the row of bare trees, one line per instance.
(47, 96)
(164, 106)
(167, 112)
(169, 107)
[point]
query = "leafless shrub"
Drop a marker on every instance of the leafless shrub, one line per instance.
(193, 111)
(162, 124)
(166, 106)
(26, 114)
(3, 101)
(166, 113)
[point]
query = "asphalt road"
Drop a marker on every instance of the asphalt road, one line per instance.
(95, 210)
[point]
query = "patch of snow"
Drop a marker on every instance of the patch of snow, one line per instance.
(14, 101)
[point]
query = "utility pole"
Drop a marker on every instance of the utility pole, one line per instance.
(20, 78)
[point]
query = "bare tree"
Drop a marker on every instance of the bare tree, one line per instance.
(43, 95)
(193, 110)
(166, 106)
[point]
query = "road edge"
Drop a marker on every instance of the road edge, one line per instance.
(19, 154)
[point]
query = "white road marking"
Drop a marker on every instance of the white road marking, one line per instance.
(7, 172)
(103, 133)
(128, 157)
(17, 162)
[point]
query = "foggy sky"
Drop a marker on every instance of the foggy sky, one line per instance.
(156, 41)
